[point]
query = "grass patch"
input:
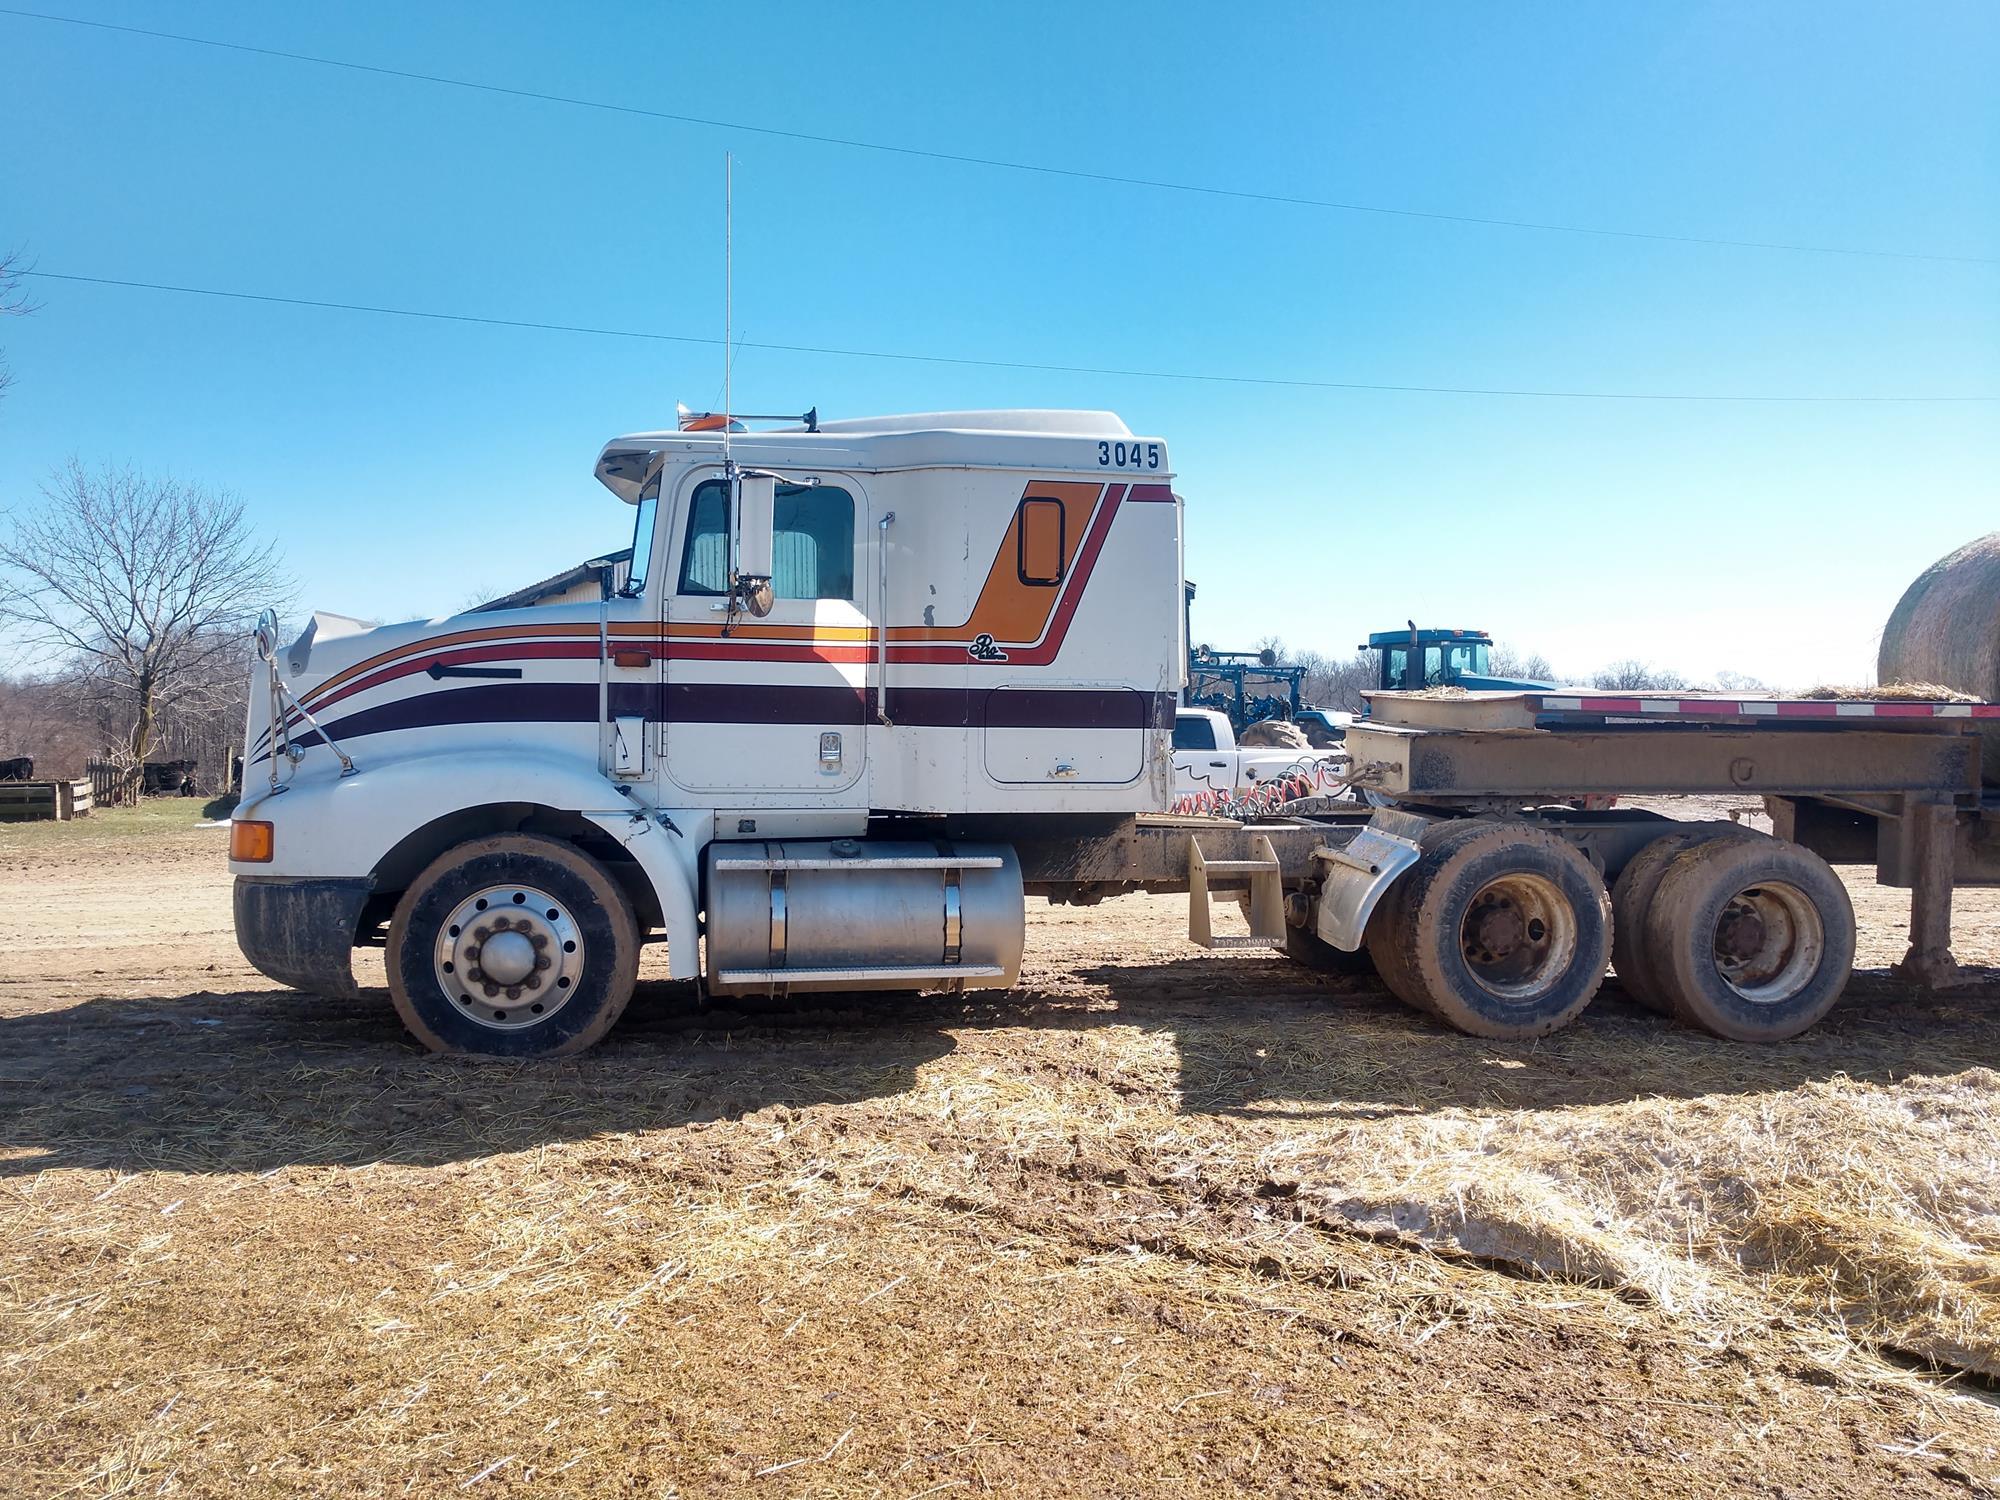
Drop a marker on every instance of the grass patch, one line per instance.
(152, 818)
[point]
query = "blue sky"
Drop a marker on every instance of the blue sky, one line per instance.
(407, 466)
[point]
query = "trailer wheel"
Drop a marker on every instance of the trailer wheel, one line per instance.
(1502, 929)
(1632, 896)
(1752, 939)
(512, 946)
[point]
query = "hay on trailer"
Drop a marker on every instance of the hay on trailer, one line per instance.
(1890, 692)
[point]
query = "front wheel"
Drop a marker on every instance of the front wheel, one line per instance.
(512, 946)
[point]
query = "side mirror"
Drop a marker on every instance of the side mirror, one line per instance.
(755, 520)
(266, 635)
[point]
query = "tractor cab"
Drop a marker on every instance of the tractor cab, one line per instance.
(1411, 660)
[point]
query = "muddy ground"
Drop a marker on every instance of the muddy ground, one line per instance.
(1162, 1221)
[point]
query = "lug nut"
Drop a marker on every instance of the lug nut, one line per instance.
(541, 960)
(513, 992)
(492, 990)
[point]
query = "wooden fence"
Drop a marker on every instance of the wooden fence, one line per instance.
(28, 801)
(112, 785)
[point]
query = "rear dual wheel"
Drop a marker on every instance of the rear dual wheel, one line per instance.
(1748, 937)
(1632, 897)
(1502, 929)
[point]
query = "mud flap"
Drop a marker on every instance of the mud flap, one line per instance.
(301, 932)
(1355, 878)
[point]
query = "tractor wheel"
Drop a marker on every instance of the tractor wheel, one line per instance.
(1750, 938)
(512, 946)
(1502, 929)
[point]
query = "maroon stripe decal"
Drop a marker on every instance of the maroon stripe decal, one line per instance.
(734, 703)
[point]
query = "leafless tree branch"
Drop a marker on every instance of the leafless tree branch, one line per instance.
(138, 591)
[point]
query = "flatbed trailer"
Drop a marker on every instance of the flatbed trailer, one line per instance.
(1490, 885)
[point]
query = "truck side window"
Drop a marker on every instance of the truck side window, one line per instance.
(1193, 732)
(1040, 528)
(812, 556)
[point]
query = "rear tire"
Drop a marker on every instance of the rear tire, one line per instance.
(512, 946)
(1316, 953)
(1502, 929)
(1632, 897)
(1751, 938)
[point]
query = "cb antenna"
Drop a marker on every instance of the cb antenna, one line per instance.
(729, 303)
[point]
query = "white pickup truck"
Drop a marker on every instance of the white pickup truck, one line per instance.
(1208, 759)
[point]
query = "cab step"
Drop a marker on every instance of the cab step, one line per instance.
(1265, 877)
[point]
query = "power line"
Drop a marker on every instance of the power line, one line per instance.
(983, 364)
(997, 163)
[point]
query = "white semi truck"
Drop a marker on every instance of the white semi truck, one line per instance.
(873, 683)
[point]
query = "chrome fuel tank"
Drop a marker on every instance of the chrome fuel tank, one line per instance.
(859, 914)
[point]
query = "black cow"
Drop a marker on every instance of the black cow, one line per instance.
(165, 776)
(20, 768)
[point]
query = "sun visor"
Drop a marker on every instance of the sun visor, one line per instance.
(624, 469)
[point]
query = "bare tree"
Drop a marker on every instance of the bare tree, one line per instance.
(1517, 666)
(1632, 676)
(139, 590)
(1337, 682)
(14, 302)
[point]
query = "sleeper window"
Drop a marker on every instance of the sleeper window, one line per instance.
(812, 552)
(1040, 541)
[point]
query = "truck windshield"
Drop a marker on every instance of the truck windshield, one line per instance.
(642, 540)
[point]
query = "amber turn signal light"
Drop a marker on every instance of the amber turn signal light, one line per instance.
(250, 842)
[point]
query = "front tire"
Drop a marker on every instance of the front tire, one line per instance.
(512, 946)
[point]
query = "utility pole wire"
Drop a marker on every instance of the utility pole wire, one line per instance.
(987, 364)
(1000, 163)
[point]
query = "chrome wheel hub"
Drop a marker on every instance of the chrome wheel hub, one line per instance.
(509, 956)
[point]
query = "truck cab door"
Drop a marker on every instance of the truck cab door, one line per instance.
(769, 708)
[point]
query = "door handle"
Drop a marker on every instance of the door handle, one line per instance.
(1220, 765)
(631, 658)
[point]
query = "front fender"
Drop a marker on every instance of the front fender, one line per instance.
(341, 827)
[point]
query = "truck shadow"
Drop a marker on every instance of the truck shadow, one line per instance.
(249, 1081)
(256, 1080)
(1268, 1039)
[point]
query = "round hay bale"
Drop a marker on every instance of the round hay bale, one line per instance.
(1946, 629)
(1275, 734)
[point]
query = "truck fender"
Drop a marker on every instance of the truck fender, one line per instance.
(1354, 879)
(355, 821)
(666, 847)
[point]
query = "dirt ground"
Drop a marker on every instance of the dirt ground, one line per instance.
(1161, 1221)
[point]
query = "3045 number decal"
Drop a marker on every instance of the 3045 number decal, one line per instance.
(1128, 455)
